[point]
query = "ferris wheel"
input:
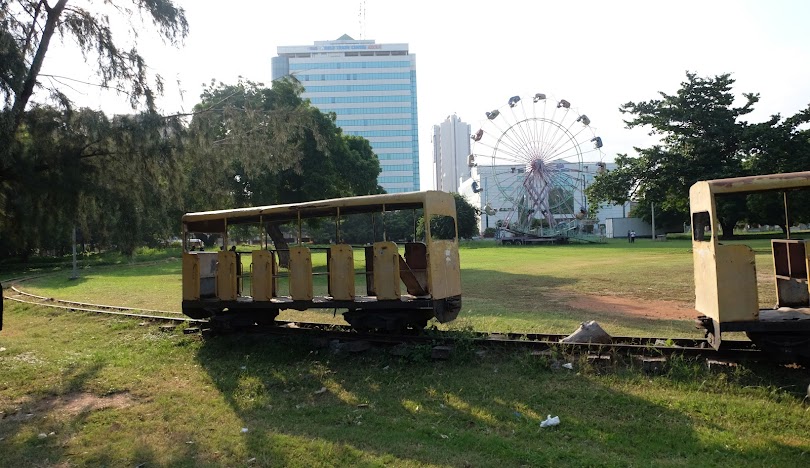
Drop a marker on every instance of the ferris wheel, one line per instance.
(535, 148)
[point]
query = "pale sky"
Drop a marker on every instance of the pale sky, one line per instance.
(471, 56)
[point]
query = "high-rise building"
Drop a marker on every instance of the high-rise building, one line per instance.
(372, 89)
(451, 148)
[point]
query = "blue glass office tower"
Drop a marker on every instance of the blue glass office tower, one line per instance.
(372, 90)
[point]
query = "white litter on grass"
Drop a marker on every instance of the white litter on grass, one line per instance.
(244, 430)
(568, 365)
(555, 421)
(322, 390)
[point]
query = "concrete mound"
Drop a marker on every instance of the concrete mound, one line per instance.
(588, 332)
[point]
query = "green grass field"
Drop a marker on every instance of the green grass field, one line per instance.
(77, 390)
(510, 289)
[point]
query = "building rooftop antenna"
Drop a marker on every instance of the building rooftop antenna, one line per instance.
(361, 19)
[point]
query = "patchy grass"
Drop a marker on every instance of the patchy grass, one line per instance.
(80, 390)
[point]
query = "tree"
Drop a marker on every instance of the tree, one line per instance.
(29, 25)
(466, 218)
(263, 146)
(702, 137)
(116, 179)
(61, 166)
(777, 146)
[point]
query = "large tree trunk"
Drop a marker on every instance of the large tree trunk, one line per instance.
(728, 228)
(274, 231)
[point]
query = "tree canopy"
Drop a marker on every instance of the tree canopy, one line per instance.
(466, 219)
(255, 146)
(702, 136)
(265, 146)
(125, 180)
(61, 166)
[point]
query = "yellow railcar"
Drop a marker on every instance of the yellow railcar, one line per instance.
(406, 283)
(726, 290)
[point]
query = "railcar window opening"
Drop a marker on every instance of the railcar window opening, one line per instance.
(701, 226)
(442, 227)
(783, 208)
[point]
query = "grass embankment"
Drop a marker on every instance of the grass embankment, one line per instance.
(77, 390)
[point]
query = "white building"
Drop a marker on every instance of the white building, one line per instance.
(491, 189)
(372, 89)
(451, 147)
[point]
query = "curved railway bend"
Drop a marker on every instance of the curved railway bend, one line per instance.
(651, 351)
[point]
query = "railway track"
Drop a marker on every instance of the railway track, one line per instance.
(325, 333)
(148, 314)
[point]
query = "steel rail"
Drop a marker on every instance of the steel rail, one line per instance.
(88, 304)
(644, 346)
(82, 307)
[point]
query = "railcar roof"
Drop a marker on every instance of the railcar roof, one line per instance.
(214, 221)
(759, 183)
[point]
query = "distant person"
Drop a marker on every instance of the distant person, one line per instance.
(632, 237)
(628, 237)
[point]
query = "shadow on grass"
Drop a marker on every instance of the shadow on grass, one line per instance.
(68, 419)
(38, 408)
(310, 407)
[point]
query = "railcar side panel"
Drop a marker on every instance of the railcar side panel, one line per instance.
(444, 271)
(341, 272)
(790, 260)
(191, 277)
(226, 276)
(264, 270)
(386, 271)
(301, 273)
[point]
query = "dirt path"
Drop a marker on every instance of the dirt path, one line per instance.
(630, 307)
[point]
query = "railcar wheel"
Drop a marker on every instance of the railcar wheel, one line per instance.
(783, 346)
(388, 320)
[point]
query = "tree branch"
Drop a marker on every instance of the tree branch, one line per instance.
(104, 86)
(30, 34)
(21, 99)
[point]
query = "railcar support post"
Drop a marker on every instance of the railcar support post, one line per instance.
(75, 274)
(787, 223)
